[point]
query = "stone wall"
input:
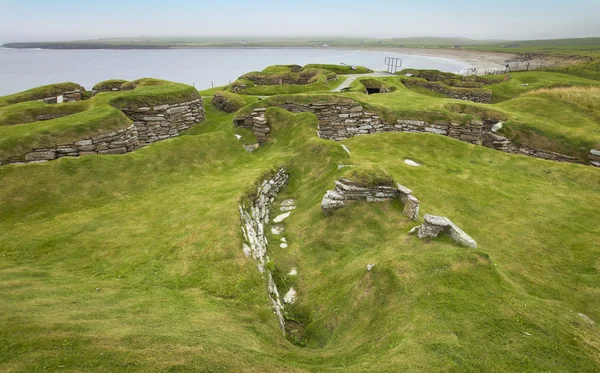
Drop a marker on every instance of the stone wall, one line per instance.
(115, 142)
(222, 103)
(347, 190)
(470, 94)
(594, 157)
(150, 124)
(164, 121)
(257, 122)
(255, 220)
(342, 120)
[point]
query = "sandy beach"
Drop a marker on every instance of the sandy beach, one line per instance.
(480, 59)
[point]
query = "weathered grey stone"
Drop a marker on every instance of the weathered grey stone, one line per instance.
(433, 226)
(281, 217)
(411, 208)
(113, 151)
(41, 156)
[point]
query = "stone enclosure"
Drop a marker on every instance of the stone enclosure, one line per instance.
(150, 124)
(341, 120)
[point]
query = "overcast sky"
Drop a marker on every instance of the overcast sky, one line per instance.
(53, 20)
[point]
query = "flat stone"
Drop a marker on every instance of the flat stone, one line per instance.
(290, 296)
(239, 137)
(293, 272)
(346, 149)
(595, 152)
(41, 155)
(370, 267)
(497, 127)
(281, 217)
(283, 245)
(410, 162)
(113, 151)
(404, 190)
(411, 208)
(277, 229)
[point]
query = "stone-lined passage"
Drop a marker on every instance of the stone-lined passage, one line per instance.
(255, 220)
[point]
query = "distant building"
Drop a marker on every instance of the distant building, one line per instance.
(243, 41)
(456, 46)
(514, 45)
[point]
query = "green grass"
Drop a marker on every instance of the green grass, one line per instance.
(26, 112)
(38, 93)
(134, 263)
(109, 85)
(321, 85)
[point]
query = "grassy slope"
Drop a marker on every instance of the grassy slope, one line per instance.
(134, 262)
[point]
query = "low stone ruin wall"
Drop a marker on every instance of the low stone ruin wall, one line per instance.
(150, 124)
(255, 220)
(257, 122)
(340, 121)
(433, 226)
(115, 142)
(165, 121)
(347, 190)
(594, 157)
(222, 103)
(470, 94)
(70, 96)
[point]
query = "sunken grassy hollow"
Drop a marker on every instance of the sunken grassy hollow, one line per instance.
(135, 262)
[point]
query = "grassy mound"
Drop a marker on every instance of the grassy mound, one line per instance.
(370, 176)
(291, 79)
(109, 85)
(39, 93)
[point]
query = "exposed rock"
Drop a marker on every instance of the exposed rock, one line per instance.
(411, 208)
(41, 155)
(433, 226)
(346, 149)
(591, 323)
(497, 127)
(281, 217)
(293, 272)
(346, 190)
(255, 219)
(410, 162)
(370, 267)
(290, 296)
(277, 229)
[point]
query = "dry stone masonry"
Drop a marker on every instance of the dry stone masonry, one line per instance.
(347, 190)
(257, 123)
(342, 120)
(255, 221)
(115, 142)
(222, 103)
(433, 226)
(594, 157)
(150, 124)
(165, 121)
